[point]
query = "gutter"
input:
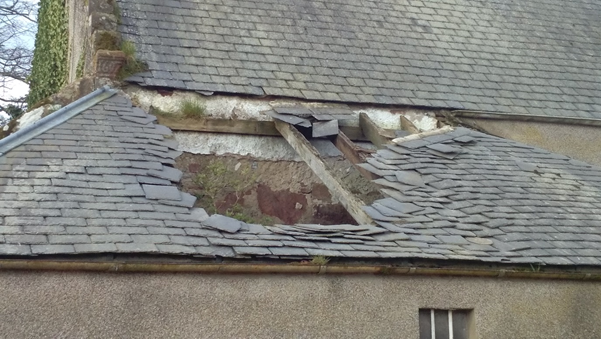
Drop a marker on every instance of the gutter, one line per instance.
(336, 269)
(524, 117)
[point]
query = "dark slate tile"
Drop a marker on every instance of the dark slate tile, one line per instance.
(223, 223)
(161, 192)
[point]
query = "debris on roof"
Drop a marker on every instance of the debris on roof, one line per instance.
(322, 121)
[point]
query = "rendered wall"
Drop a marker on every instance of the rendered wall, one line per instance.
(113, 305)
(577, 141)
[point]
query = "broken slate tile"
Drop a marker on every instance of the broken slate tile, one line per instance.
(223, 223)
(291, 119)
(155, 192)
(325, 128)
(168, 173)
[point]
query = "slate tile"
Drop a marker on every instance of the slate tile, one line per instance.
(167, 173)
(69, 239)
(425, 239)
(215, 251)
(411, 178)
(136, 248)
(95, 248)
(288, 251)
(227, 242)
(256, 251)
(155, 192)
(26, 239)
(452, 239)
(188, 240)
(8, 249)
(323, 252)
(223, 223)
(150, 238)
(176, 249)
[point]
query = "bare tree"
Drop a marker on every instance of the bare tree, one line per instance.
(17, 30)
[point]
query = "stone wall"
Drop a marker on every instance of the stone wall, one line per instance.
(92, 26)
(117, 305)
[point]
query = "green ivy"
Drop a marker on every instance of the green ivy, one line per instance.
(49, 65)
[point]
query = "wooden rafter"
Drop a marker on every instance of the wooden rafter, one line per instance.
(353, 154)
(378, 136)
(311, 156)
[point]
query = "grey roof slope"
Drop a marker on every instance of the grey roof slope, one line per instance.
(472, 195)
(102, 182)
(532, 57)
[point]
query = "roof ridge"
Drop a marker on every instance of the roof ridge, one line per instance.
(52, 120)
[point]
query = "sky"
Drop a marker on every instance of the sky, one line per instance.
(17, 89)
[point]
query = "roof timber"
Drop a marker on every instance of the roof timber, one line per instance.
(353, 153)
(375, 133)
(311, 156)
(245, 127)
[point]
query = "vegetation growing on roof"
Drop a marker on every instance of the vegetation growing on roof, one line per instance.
(192, 109)
(132, 64)
(320, 260)
(49, 65)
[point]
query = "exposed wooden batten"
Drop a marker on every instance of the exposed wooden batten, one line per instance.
(251, 127)
(378, 136)
(311, 156)
(353, 154)
(407, 125)
(246, 127)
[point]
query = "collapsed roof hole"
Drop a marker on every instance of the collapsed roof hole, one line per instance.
(270, 192)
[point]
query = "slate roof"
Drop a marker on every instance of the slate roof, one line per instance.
(531, 57)
(103, 182)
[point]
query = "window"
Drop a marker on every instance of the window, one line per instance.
(444, 324)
